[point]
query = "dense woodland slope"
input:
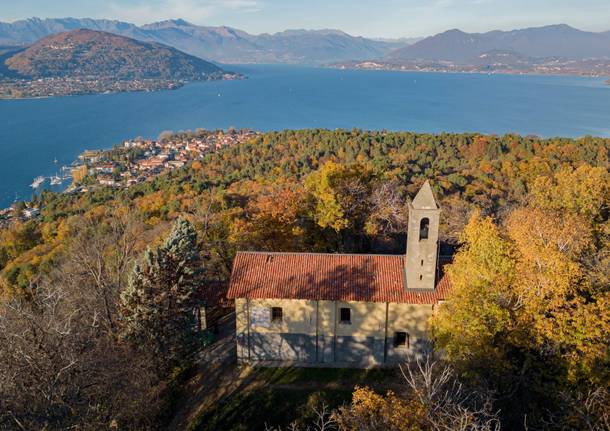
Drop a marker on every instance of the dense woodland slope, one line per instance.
(525, 330)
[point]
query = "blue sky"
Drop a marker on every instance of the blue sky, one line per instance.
(380, 18)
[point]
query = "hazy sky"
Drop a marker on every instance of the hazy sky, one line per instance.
(385, 18)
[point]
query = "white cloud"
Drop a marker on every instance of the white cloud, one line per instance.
(196, 11)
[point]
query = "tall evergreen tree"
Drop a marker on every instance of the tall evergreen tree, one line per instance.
(158, 302)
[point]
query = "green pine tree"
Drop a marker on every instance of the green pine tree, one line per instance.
(157, 305)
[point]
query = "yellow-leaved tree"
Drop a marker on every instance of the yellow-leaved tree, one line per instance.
(561, 243)
(471, 326)
(372, 411)
(530, 305)
(583, 191)
(340, 195)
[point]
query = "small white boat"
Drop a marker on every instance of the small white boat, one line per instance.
(37, 182)
(55, 180)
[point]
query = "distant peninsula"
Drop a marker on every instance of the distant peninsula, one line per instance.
(91, 62)
(527, 66)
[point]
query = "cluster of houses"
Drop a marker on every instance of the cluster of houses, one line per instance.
(152, 157)
(17, 211)
(64, 86)
(134, 162)
(6, 216)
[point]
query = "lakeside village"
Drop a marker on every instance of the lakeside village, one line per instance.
(132, 162)
(18, 88)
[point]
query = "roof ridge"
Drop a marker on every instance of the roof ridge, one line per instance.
(317, 254)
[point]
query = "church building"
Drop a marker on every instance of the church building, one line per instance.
(344, 310)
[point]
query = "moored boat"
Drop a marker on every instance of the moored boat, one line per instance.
(37, 182)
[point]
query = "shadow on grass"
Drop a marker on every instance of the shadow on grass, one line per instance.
(337, 376)
(252, 410)
(286, 395)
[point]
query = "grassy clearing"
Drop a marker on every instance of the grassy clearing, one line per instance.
(251, 410)
(325, 376)
(279, 396)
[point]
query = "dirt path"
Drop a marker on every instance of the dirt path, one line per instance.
(217, 376)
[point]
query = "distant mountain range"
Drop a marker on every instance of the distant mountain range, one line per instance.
(87, 61)
(220, 44)
(539, 42)
(549, 49)
(554, 49)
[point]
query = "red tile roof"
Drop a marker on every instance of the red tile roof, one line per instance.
(335, 277)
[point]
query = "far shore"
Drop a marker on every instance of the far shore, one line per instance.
(476, 72)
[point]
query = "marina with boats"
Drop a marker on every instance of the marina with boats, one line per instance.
(132, 162)
(54, 180)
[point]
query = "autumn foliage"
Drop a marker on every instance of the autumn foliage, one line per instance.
(531, 292)
(527, 323)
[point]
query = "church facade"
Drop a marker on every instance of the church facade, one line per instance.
(345, 310)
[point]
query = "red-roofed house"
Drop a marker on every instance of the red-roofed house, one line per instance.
(341, 309)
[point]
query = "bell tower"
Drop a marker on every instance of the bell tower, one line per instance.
(422, 240)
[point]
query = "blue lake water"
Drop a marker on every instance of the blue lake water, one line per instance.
(35, 132)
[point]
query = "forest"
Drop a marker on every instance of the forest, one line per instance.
(96, 327)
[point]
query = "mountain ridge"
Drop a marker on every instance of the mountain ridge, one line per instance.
(230, 45)
(221, 44)
(557, 40)
(556, 49)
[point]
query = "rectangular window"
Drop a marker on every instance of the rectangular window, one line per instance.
(345, 316)
(277, 314)
(401, 339)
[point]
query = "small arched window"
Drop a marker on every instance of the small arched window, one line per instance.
(424, 227)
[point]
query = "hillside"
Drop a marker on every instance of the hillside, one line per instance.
(533, 277)
(92, 62)
(94, 53)
(222, 44)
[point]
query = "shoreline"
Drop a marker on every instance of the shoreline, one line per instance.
(604, 77)
(88, 94)
(109, 167)
(170, 86)
(239, 77)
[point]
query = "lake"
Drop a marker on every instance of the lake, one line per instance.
(33, 133)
